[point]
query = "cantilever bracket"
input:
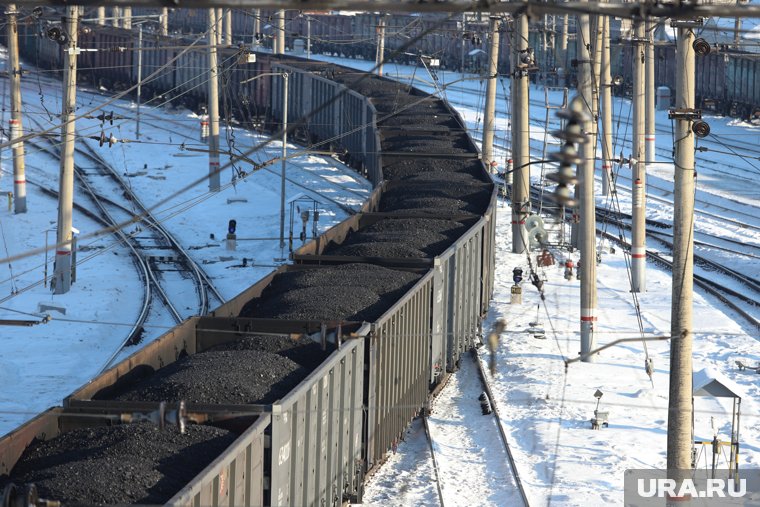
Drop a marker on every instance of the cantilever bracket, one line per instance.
(685, 114)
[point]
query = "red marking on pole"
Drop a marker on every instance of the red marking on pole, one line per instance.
(213, 163)
(13, 121)
(19, 181)
(638, 256)
(588, 319)
(63, 252)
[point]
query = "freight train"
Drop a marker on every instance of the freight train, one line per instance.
(293, 391)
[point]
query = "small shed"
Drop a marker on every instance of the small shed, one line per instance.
(709, 383)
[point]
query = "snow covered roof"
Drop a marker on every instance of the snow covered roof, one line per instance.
(708, 382)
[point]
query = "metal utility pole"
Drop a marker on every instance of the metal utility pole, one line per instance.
(126, 21)
(488, 116)
(62, 274)
(280, 33)
(101, 15)
(606, 91)
(585, 186)
(520, 134)
(115, 16)
(139, 75)
(16, 126)
(680, 399)
(638, 156)
(650, 91)
(214, 178)
(165, 21)
(228, 27)
(284, 157)
(380, 55)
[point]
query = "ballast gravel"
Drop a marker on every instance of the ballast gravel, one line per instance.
(118, 465)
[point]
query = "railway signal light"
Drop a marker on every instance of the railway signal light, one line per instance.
(517, 275)
(232, 226)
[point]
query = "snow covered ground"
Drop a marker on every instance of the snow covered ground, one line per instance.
(545, 409)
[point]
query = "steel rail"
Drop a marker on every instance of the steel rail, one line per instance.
(505, 442)
(152, 222)
(435, 463)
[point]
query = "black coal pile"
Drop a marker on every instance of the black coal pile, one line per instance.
(350, 292)
(399, 167)
(299, 350)
(413, 142)
(470, 195)
(118, 465)
(221, 377)
(400, 238)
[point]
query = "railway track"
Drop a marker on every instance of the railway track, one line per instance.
(447, 478)
(165, 275)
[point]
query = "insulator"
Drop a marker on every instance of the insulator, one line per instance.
(572, 134)
(566, 156)
(565, 176)
(700, 128)
(701, 46)
(562, 196)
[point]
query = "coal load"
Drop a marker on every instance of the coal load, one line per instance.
(119, 465)
(302, 351)
(349, 292)
(434, 145)
(400, 238)
(221, 377)
(447, 195)
(396, 168)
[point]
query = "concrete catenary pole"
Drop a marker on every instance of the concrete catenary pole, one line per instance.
(650, 137)
(16, 125)
(219, 17)
(586, 206)
(606, 90)
(308, 37)
(101, 15)
(139, 75)
(488, 115)
(214, 178)
(280, 32)
(165, 21)
(638, 156)
(284, 163)
(62, 274)
(680, 399)
(256, 25)
(115, 16)
(228, 27)
(562, 59)
(520, 135)
(380, 55)
(126, 21)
